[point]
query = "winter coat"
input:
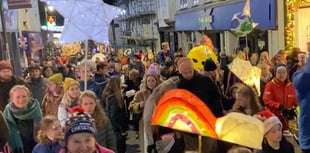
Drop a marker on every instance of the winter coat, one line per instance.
(301, 82)
(204, 88)
(50, 105)
(116, 114)
(48, 147)
(5, 88)
(106, 137)
(23, 125)
(4, 136)
(99, 148)
(37, 88)
(134, 107)
(101, 81)
(163, 56)
(285, 147)
(278, 93)
(91, 85)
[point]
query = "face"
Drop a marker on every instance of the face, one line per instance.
(54, 132)
(88, 104)
(51, 86)
(302, 59)
(82, 72)
(274, 134)
(187, 73)
(151, 82)
(20, 98)
(35, 73)
(81, 143)
(74, 91)
(281, 73)
(6, 75)
(48, 72)
(242, 100)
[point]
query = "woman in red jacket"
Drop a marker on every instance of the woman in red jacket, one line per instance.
(279, 94)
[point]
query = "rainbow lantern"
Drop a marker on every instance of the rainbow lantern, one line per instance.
(199, 55)
(181, 110)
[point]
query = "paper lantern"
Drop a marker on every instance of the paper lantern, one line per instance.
(181, 110)
(199, 55)
(240, 129)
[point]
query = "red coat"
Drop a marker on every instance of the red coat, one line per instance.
(278, 93)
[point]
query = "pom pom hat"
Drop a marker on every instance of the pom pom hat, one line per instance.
(79, 122)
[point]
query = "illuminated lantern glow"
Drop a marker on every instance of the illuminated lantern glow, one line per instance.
(291, 8)
(181, 110)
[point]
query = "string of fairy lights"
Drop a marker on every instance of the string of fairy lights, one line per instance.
(291, 7)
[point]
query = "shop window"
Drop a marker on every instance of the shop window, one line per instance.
(195, 2)
(183, 4)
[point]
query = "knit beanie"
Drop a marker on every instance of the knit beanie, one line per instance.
(56, 78)
(209, 65)
(278, 66)
(69, 82)
(5, 65)
(271, 122)
(269, 119)
(79, 122)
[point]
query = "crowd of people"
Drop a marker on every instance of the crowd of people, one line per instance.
(67, 107)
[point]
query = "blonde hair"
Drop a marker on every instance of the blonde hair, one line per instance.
(254, 104)
(67, 100)
(98, 115)
(45, 124)
(21, 87)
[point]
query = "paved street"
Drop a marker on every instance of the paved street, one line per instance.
(132, 143)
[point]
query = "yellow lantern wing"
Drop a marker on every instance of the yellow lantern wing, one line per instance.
(199, 55)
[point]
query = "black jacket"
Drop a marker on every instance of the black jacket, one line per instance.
(204, 88)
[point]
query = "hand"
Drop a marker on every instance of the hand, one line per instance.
(290, 114)
(130, 93)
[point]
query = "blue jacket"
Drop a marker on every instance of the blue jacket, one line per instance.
(48, 147)
(301, 81)
(91, 85)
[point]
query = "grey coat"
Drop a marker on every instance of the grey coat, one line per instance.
(105, 136)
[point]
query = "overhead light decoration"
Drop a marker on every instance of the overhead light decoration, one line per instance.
(291, 7)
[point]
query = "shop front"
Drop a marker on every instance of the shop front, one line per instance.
(216, 20)
(297, 25)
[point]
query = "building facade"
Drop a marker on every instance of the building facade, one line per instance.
(195, 18)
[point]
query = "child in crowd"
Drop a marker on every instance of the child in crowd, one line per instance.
(49, 135)
(273, 139)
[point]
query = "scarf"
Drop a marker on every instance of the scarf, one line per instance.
(32, 111)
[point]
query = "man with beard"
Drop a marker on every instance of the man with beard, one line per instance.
(7, 81)
(37, 83)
